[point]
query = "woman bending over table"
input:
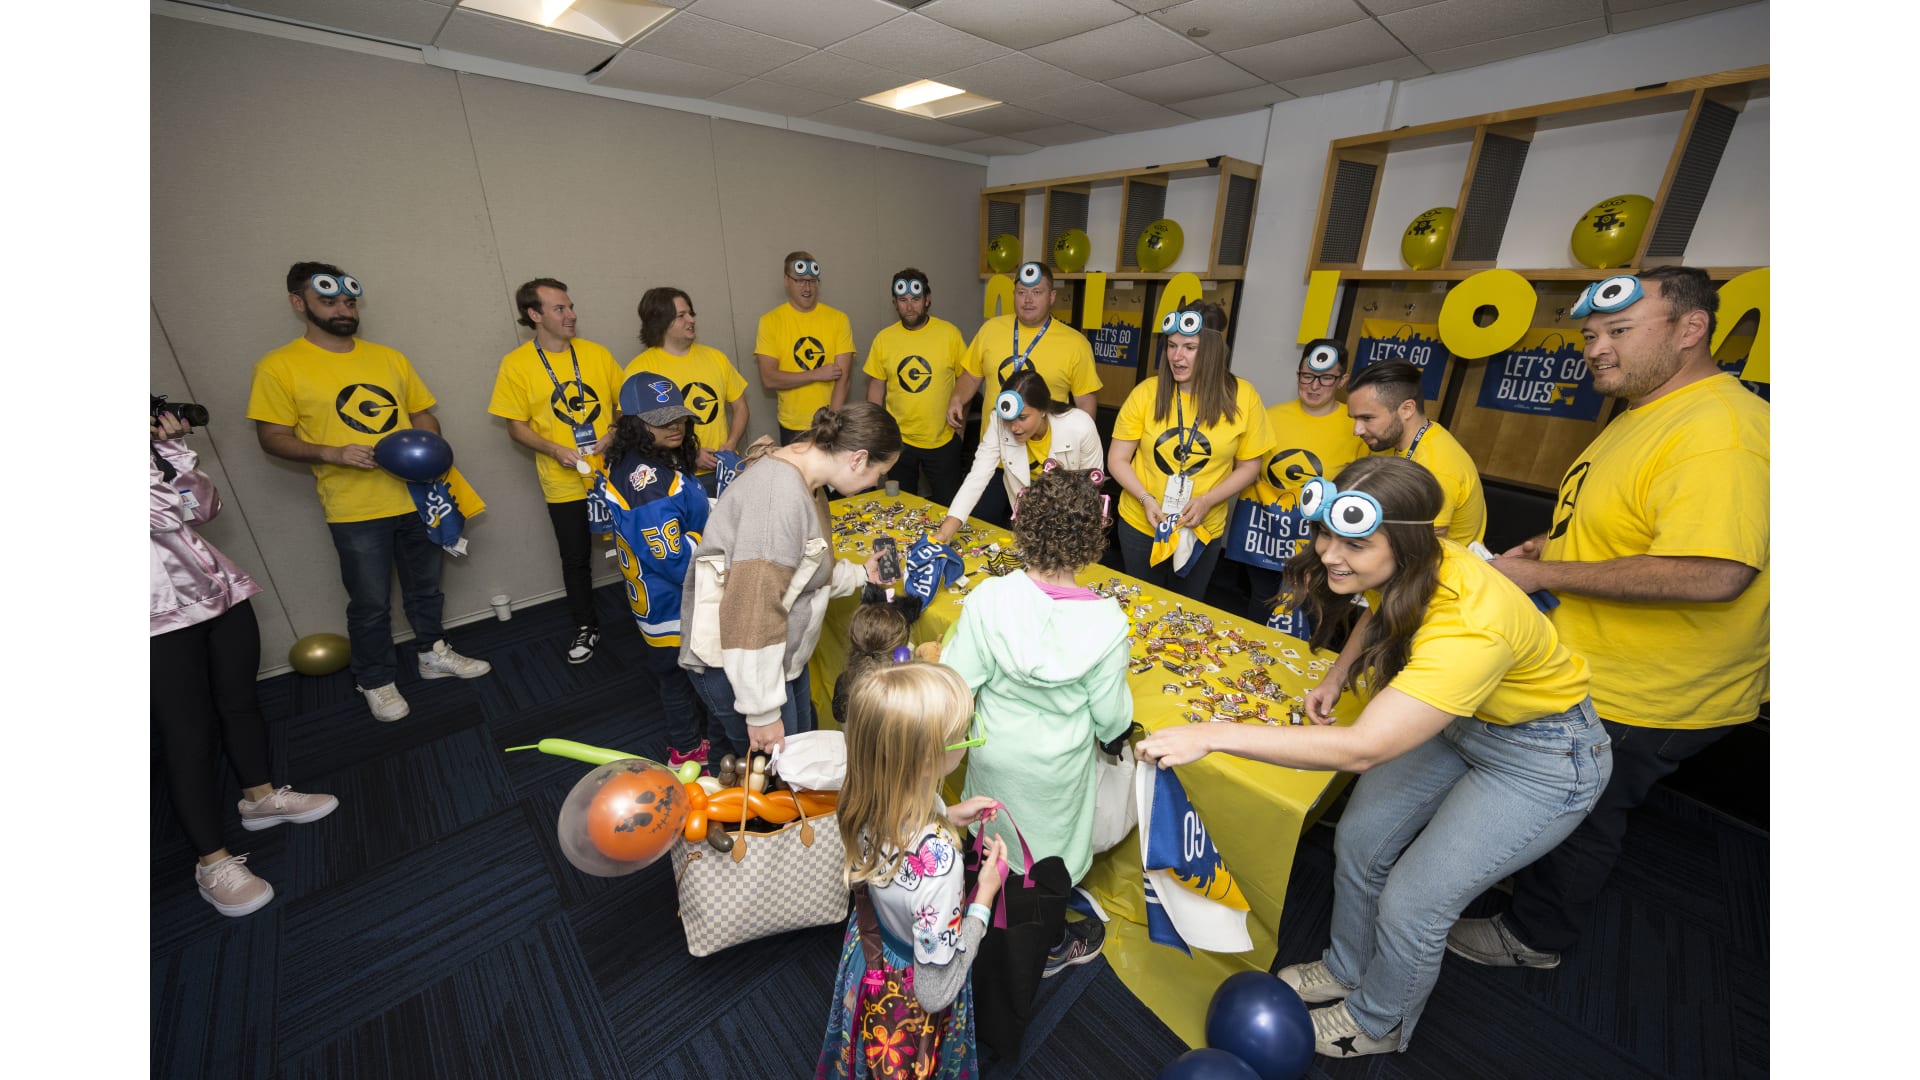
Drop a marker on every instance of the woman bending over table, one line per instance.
(1478, 751)
(1027, 430)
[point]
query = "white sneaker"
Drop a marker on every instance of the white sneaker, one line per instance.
(1314, 983)
(443, 663)
(285, 804)
(1337, 1035)
(231, 888)
(386, 703)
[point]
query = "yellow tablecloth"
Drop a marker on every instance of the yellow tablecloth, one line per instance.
(1255, 812)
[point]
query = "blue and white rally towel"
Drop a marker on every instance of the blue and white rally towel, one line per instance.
(1192, 899)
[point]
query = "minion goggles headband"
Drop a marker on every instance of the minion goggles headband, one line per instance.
(1187, 322)
(1616, 293)
(330, 285)
(1352, 514)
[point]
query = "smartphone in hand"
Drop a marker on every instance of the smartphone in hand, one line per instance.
(889, 551)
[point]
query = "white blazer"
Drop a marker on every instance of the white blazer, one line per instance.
(1075, 444)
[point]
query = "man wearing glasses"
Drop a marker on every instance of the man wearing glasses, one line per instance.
(1314, 438)
(324, 399)
(802, 347)
(1389, 415)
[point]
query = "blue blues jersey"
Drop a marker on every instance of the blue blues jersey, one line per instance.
(658, 515)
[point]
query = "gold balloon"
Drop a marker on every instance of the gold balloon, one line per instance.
(1609, 233)
(319, 654)
(1424, 244)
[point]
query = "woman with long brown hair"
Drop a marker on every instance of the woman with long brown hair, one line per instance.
(1184, 445)
(1478, 746)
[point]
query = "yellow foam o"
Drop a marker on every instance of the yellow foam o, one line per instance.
(1513, 300)
(1748, 292)
(999, 297)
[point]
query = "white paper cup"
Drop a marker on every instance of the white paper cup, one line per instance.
(893, 488)
(501, 607)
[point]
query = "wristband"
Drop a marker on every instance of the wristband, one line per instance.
(981, 912)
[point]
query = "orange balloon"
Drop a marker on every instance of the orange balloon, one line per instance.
(636, 814)
(695, 829)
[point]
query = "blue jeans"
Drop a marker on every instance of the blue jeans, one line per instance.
(370, 551)
(728, 728)
(1430, 830)
(1136, 549)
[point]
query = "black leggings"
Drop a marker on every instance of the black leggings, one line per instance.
(201, 694)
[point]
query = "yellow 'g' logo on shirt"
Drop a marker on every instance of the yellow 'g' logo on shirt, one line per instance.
(366, 408)
(704, 403)
(1569, 494)
(575, 403)
(1291, 468)
(1199, 452)
(808, 353)
(915, 373)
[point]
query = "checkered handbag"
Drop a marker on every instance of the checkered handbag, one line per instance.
(768, 884)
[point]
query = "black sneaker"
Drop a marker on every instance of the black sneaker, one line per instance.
(1083, 942)
(584, 641)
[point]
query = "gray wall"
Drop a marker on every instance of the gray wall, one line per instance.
(441, 192)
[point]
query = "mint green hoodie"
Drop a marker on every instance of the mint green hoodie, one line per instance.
(1049, 679)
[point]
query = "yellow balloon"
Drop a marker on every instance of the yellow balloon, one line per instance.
(1610, 232)
(319, 654)
(1070, 251)
(1003, 254)
(1424, 244)
(1159, 245)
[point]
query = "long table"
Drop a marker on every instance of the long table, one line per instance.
(1255, 812)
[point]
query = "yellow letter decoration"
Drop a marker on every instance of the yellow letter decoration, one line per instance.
(1183, 289)
(999, 296)
(1093, 305)
(1513, 300)
(1748, 292)
(1316, 312)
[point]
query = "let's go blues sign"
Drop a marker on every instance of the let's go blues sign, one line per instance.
(1545, 374)
(1416, 343)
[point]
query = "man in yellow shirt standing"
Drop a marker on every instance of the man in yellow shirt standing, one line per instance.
(1389, 416)
(324, 399)
(1030, 337)
(1658, 554)
(802, 346)
(557, 393)
(706, 378)
(911, 370)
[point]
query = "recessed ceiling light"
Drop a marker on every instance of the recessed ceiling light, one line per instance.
(929, 99)
(615, 21)
(1198, 31)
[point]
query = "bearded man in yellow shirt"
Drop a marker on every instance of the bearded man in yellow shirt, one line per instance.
(1658, 555)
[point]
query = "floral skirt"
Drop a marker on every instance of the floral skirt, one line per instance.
(873, 1029)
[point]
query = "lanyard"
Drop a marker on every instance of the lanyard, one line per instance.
(1020, 358)
(556, 379)
(1186, 435)
(1417, 436)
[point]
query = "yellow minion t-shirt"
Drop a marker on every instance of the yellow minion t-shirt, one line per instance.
(1212, 450)
(918, 367)
(1484, 650)
(803, 342)
(1463, 505)
(1683, 475)
(707, 380)
(1304, 447)
(340, 399)
(1062, 357)
(1038, 448)
(551, 403)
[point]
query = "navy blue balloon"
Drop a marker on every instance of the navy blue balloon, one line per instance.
(1206, 1064)
(1260, 1020)
(414, 454)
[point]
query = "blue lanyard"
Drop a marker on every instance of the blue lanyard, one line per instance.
(556, 379)
(1020, 358)
(1421, 434)
(1186, 435)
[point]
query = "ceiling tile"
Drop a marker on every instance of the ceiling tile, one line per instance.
(1014, 75)
(1453, 23)
(651, 74)
(1083, 102)
(1486, 52)
(1232, 104)
(996, 144)
(1237, 24)
(1022, 24)
(1144, 6)
(779, 98)
(1406, 67)
(413, 22)
(1193, 78)
(825, 73)
(1353, 45)
(688, 37)
(1138, 44)
(1634, 14)
(521, 43)
(1004, 120)
(1059, 134)
(918, 46)
(818, 23)
(1143, 117)
(931, 132)
(1388, 7)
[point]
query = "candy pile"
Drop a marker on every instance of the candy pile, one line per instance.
(1190, 646)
